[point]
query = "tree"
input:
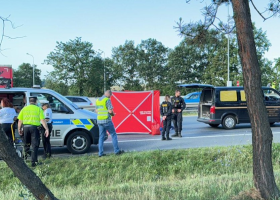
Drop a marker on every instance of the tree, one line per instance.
(125, 58)
(264, 180)
(16, 164)
(152, 67)
(23, 77)
(77, 64)
(55, 84)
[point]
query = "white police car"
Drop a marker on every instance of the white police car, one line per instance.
(72, 126)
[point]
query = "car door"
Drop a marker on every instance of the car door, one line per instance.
(272, 103)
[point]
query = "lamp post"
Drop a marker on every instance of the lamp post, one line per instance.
(104, 69)
(229, 83)
(33, 66)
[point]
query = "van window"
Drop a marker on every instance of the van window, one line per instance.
(270, 95)
(228, 95)
(242, 95)
(55, 104)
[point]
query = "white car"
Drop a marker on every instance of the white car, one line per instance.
(80, 100)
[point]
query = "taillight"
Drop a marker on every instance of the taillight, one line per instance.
(212, 110)
(90, 104)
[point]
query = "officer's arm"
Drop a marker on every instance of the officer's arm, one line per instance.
(19, 127)
(172, 105)
(161, 110)
(183, 104)
(169, 112)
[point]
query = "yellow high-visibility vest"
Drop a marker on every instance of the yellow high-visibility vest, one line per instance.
(102, 111)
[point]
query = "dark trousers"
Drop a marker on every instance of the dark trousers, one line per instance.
(31, 137)
(46, 141)
(166, 126)
(177, 119)
(8, 130)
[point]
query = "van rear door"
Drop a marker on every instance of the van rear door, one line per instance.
(206, 99)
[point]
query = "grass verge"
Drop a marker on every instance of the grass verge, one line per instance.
(204, 173)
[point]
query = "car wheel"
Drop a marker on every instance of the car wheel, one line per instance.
(272, 123)
(214, 125)
(229, 122)
(78, 142)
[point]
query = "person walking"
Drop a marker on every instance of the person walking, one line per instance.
(105, 111)
(7, 117)
(31, 117)
(166, 112)
(48, 118)
(178, 105)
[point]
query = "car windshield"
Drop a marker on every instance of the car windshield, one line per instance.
(188, 96)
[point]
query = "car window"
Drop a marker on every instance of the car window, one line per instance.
(70, 98)
(55, 104)
(194, 96)
(79, 100)
(228, 96)
(271, 95)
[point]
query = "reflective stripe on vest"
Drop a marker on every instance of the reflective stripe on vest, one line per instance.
(102, 111)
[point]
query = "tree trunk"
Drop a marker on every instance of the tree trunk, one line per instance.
(22, 171)
(261, 132)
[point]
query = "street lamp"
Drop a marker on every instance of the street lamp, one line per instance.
(104, 70)
(33, 67)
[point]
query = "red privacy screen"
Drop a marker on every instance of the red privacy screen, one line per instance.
(136, 112)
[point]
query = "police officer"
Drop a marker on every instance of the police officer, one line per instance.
(31, 117)
(166, 112)
(178, 105)
(48, 118)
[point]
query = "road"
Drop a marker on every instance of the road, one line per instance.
(195, 134)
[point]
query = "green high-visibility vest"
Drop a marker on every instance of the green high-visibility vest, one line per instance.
(102, 111)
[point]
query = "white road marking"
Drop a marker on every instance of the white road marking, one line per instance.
(198, 137)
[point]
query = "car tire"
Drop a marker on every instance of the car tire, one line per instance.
(272, 123)
(229, 122)
(78, 142)
(214, 125)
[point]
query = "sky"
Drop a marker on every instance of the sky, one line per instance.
(106, 24)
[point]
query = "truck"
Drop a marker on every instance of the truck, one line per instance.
(6, 76)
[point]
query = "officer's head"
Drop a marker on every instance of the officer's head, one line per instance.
(167, 98)
(108, 93)
(177, 93)
(32, 100)
(45, 104)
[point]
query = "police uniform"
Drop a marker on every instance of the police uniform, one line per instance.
(177, 117)
(166, 110)
(46, 140)
(30, 116)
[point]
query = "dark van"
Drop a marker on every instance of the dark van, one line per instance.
(228, 106)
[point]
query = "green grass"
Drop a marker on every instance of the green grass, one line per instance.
(203, 173)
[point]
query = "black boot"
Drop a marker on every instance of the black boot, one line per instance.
(163, 138)
(179, 134)
(167, 137)
(175, 135)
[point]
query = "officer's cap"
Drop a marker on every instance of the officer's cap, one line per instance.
(44, 102)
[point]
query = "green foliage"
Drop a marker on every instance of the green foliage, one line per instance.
(77, 66)
(23, 76)
(202, 173)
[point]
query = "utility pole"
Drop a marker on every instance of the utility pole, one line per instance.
(33, 66)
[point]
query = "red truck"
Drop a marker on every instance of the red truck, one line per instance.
(6, 76)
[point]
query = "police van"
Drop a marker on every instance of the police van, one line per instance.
(228, 106)
(72, 126)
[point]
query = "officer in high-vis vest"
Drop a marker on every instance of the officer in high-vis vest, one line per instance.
(178, 105)
(166, 112)
(105, 111)
(31, 117)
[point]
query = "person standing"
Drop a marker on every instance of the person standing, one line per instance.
(31, 117)
(166, 112)
(273, 85)
(48, 119)
(178, 105)
(105, 111)
(7, 117)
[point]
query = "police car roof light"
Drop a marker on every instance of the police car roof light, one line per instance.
(36, 87)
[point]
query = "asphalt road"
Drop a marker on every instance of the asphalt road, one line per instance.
(195, 134)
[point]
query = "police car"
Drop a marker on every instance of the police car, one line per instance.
(72, 126)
